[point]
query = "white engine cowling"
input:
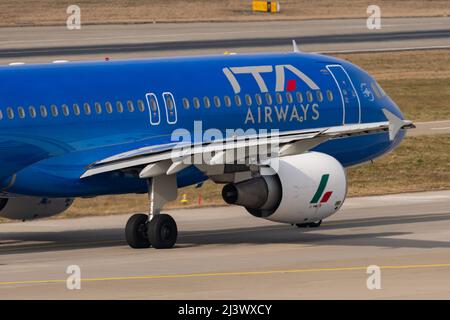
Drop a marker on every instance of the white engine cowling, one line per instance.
(306, 188)
(28, 208)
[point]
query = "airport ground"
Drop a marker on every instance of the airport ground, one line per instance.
(53, 12)
(223, 252)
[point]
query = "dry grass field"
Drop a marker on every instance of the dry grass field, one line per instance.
(53, 12)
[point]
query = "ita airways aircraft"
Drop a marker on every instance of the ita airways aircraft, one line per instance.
(278, 130)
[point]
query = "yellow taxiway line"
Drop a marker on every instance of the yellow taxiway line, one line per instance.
(227, 274)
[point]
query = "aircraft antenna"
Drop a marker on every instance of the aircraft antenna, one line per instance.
(294, 44)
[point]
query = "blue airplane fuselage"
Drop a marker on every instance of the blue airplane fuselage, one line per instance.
(56, 119)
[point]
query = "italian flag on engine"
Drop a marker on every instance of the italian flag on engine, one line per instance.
(320, 196)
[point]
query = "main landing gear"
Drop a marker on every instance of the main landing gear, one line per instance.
(155, 229)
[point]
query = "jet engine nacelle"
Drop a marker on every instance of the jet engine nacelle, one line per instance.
(306, 188)
(27, 208)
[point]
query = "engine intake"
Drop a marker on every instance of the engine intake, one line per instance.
(260, 196)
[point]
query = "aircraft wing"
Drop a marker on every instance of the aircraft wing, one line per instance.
(174, 157)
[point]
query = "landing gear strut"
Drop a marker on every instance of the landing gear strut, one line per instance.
(155, 229)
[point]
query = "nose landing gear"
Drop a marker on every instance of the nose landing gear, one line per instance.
(155, 229)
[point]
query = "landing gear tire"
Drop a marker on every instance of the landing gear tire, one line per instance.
(136, 231)
(309, 225)
(162, 231)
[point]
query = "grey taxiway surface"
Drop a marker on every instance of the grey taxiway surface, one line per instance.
(44, 44)
(430, 128)
(226, 253)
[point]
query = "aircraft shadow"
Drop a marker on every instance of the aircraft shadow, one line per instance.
(28, 242)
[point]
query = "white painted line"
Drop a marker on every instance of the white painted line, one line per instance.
(443, 128)
(385, 49)
(438, 121)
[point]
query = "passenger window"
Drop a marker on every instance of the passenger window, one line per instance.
(299, 96)
(87, 109)
(279, 98)
(76, 109)
(268, 98)
(329, 95)
(141, 105)
(248, 100)
(54, 110)
(98, 108)
(119, 107)
(319, 96)
(185, 103)
(289, 97)
(10, 113)
(309, 96)
(217, 102)
(32, 112)
(43, 110)
(21, 112)
(108, 107)
(258, 99)
(196, 103)
(206, 102)
(130, 106)
(227, 100)
(238, 101)
(65, 110)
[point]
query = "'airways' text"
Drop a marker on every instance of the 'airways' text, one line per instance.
(287, 113)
